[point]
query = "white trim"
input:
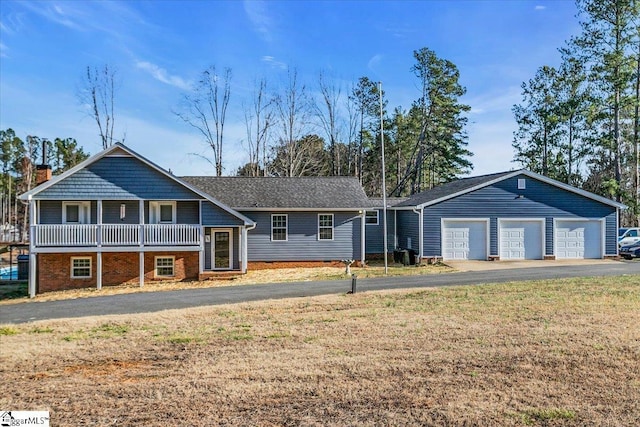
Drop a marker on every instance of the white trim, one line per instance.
(486, 221)
(288, 209)
(155, 211)
(213, 232)
(84, 212)
(522, 184)
(377, 212)
(155, 266)
(326, 227)
(542, 222)
(107, 249)
(286, 228)
(72, 267)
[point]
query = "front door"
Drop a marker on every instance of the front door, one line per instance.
(221, 248)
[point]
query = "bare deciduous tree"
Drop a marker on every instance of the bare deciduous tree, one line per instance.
(327, 111)
(293, 112)
(258, 120)
(205, 109)
(98, 93)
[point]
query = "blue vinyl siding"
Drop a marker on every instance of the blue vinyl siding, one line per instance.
(213, 215)
(493, 237)
(111, 212)
(188, 212)
(51, 212)
(374, 234)
(302, 240)
(118, 178)
(408, 228)
(540, 200)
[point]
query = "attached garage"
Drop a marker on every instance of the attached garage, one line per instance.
(465, 239)
(521, 239)
(578, 239)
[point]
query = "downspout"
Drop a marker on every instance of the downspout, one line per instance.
(420, 213)
(245, 247)
(362, 237)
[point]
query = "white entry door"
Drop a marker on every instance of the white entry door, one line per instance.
(464, 239)
(222, 249)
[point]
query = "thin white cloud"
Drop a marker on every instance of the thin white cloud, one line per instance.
(273, 62)
(374, 62)
(540, 7)
(58, 14)
(161, 74)
(3, 50)
(257, 13)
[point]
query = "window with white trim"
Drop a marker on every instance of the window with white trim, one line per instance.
(371, 217)
(165, 266)
(522, 184)
(80, 267)
(325, 226)
(76, 212)
(162, 212)
(279, 227)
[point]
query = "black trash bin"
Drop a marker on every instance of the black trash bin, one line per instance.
(412, 257)
(23, 267)
(397, 256)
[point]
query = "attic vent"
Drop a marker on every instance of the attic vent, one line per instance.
(522, 184)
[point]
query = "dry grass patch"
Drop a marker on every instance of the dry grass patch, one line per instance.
(563, 352)
(19, 293)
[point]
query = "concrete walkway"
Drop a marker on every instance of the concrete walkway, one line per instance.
(147, 302)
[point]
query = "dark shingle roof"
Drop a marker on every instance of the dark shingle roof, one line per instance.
(391, 201)
(450, 188)
(283, 193)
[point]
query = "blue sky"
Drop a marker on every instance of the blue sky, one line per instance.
(160, 47)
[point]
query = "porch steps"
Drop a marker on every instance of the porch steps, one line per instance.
(219, 275)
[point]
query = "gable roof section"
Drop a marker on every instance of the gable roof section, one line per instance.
(466, 185)
(294, 193)
(94, 182)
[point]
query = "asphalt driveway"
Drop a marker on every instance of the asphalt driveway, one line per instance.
(146, 302)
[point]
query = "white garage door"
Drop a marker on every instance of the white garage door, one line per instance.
(521, 239)
(578, 239)
(464, 240)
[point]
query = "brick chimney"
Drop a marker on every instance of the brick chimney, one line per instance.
(43, 171)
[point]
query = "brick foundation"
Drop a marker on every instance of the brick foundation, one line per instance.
(54, 270)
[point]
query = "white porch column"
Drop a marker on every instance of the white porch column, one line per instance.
(99, 222)
(32, 255)
(141, 262)
(363, 248)
(201, 267)
(99, 270)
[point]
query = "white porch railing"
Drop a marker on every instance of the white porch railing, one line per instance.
(116, 234)
(172, 234)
